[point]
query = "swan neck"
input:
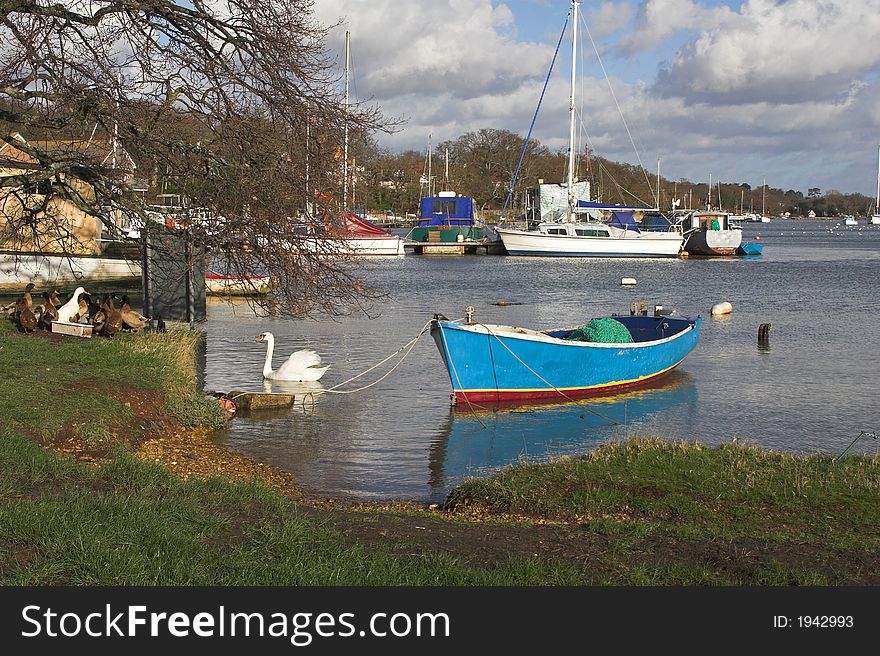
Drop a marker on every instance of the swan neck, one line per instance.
(270, 347)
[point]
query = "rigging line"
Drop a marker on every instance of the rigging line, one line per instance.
(460, 386)
(534, 118)
(617, 104)
(548, 384)
(378, 364)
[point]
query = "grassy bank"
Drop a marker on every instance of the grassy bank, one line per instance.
(80, 503)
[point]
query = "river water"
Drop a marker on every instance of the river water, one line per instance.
(812, 388)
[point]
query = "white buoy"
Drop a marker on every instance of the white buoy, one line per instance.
(627, 281)
(722, 308)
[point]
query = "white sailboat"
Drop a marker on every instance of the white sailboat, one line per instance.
(356, 235)
(874, 219)
(576, 234)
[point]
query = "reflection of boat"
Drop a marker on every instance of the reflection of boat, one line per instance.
(482, 442)
(575, 234)
(238, 285)
(488, 362)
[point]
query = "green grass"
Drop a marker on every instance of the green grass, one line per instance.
(644, 512)
(691, 491)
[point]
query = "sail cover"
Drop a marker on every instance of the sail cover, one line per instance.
(355, 226)
(624, 220)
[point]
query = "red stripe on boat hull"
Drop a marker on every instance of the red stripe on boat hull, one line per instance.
(483, 396)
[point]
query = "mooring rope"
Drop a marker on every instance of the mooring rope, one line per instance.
(408, 346)
(870, 434)
(546, 382)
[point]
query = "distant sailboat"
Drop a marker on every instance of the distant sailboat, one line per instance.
(577, 235)
(875, 218)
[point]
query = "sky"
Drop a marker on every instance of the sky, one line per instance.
(787, 90)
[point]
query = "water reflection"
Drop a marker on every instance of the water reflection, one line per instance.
(481, 442)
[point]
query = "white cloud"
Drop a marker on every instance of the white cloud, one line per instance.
(658, 20)
(791, 51)
(771, 88)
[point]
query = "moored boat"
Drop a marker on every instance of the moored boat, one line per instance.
(58, 270)
(850, 220)
(446, 217)
(575, 233)
(750, 248)
(709, 232)
(361, 237)
(219, 285)
(496, 363)
(874, 219)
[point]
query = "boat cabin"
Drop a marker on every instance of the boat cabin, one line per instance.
(709, 220)
(446, 217)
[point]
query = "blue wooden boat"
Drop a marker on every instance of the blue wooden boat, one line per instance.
(750, 248)
(494, 363)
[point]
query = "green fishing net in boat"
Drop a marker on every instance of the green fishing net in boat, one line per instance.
(605, 331)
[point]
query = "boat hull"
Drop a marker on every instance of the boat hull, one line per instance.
(521, 242)
(446, 234)
(713, 242)
(373, 246)
(501, 363)
(749, 248)
(238, 285)
(19, 269)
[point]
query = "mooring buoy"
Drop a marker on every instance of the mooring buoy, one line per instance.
(721, 308)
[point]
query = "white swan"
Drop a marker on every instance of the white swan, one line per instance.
(66, 311)
(300, 366)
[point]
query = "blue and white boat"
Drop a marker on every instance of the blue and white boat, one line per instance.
(750, 248)
(495, 363)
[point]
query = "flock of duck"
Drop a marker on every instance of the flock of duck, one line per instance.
(104, 317)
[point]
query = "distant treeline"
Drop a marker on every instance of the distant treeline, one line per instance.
(482, 165)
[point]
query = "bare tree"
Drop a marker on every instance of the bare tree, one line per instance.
(232, 104)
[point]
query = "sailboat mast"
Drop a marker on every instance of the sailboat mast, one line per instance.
(430, 186)
(345, 146)
(446, 158)
(709, 194)
(878, 180)
(657, 198)
(763, 195)
(570, 181)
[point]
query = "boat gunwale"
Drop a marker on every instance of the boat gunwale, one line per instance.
(500, 330)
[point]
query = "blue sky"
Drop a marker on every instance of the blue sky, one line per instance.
(786, 89)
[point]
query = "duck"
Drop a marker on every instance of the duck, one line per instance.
(22, 302)
(132, 320)
(301, 366)
(113, 317)
(27, 320)
(48, 310)
(67, 311)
